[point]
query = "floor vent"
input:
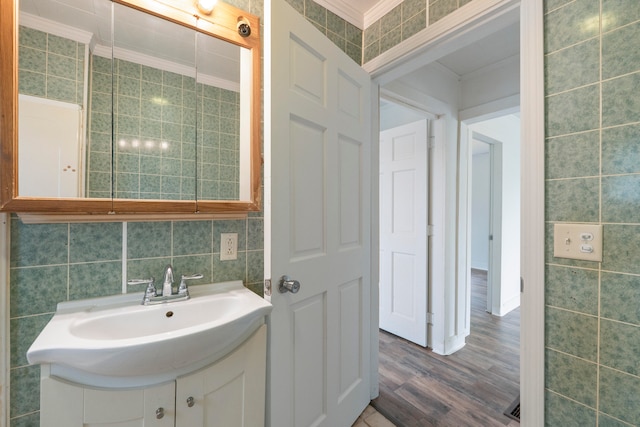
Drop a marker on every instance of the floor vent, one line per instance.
(513, 411)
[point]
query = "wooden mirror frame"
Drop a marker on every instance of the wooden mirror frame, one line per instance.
(221, 23)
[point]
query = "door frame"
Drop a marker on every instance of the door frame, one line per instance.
(495, 219)
(424, 48)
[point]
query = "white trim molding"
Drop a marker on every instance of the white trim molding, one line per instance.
(345, 10)
(356, 16)
(532, 213)
(374, 383)
(165, 65)
(378, 11)
(482, 17)
(55, 28)
(5, 226)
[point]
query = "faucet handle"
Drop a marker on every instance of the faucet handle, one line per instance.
(151, 289)
(133, 282)
(182, 289)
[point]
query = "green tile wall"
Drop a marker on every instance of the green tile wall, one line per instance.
(218, 143)
(405, 20)
(56, 262)
(158, 115)
(343, 34)
(592, 322)
(50, 67)
(50, 263)
(100, 129)
(154, 118)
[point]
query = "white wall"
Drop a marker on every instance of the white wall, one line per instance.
(480, 209)
(393, 115)
(506, 129)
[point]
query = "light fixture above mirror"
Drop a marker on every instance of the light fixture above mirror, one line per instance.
(206, 6)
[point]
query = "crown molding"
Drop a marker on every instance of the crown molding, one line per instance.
(359, 18)
(162, 64)
(55, 28)
(379, 10)
(344, 10)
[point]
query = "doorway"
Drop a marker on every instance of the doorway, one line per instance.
(461, 93)
(483, 199)
(404, 221)
(494, 208)
(421, 387)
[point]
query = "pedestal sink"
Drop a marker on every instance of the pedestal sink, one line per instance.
(116, 341)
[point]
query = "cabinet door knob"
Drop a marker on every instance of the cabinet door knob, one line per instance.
(190, 401)
(159, 413)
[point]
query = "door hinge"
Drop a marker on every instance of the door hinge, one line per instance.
(429, 230)
(267, 287)
(521, 285)
(429, 318)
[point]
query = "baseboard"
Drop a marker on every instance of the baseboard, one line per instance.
(509, 306)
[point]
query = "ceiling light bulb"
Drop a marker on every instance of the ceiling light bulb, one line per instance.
(206, 6)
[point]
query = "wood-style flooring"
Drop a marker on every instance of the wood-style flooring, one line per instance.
(471, 387)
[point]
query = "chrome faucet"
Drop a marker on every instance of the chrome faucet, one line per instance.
(153, 296)
(167, 282)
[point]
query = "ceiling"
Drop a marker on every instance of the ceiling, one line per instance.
(484, 52)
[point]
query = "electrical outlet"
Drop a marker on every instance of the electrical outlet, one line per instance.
(228, 246)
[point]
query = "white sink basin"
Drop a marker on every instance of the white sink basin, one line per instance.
(117, 342)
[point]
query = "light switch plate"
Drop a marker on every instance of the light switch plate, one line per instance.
(578, 241)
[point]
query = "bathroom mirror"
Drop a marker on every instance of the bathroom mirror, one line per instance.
(129, 106)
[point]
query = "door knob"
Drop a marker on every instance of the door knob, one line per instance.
(288, 285)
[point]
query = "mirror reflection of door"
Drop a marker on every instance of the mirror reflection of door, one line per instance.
(162, 114)
(54, 64)
(53, 169)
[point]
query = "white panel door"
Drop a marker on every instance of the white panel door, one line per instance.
(317, 220)
(49, 138)
(404, 262)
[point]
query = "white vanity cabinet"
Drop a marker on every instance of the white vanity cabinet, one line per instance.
(230, 392)
(65, 404)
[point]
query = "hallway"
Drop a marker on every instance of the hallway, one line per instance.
(469, 388)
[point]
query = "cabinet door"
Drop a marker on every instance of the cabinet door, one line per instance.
(61, 404)
(74, 406)
(153, 406)
(229, 393)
